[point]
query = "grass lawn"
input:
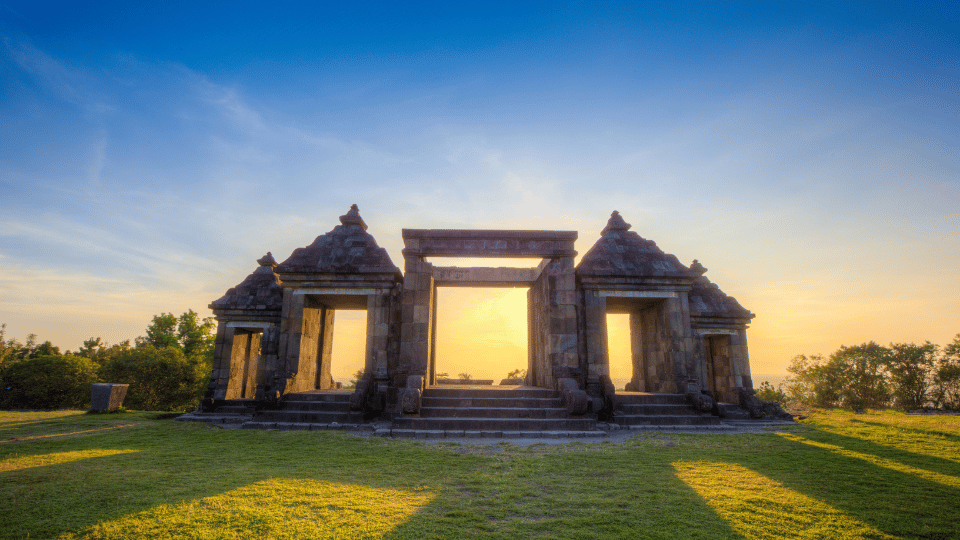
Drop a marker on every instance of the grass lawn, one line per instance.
(131, 475)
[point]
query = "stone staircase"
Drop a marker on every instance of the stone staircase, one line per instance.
(511, 411)
(316, 410)
(640, 410)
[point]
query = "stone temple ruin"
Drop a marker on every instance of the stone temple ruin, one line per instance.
(274, 337)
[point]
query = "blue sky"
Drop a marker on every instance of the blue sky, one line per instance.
(807, 153)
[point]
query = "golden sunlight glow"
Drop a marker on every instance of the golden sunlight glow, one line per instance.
(42, 460)
(618, 348)
(70, 433)
(939, 478)
(349, 344)
(277, 508)
(758, 507)
(481, 331)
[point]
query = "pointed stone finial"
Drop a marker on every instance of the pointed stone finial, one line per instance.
(353, 218)
(267, 260)
(698, 268)
(615, 223)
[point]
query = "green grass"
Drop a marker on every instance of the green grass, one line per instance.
(838, 475)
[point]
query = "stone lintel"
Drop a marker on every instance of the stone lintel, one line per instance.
(246, 315)
(488, 243)
(715, 331)
(250, 324)
(637, 294)
(452, 276)
(635, 283)
(295, 279)
(359, 291)
(713, 322)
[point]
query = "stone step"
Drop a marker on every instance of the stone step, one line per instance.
(215, 418)
(316, 417)
(650, 399)
(337, 406)
(320, 396)
(496, 424)
(500, 402)
(235, 409)
(494, 392)
(645, 409)
(493, 412)
(665, 420)
(486, 434)
(305, 426)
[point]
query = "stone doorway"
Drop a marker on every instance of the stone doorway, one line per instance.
(481, 331)
(246, 368)
(317, 337)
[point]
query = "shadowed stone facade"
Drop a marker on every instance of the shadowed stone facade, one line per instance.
(275, 329)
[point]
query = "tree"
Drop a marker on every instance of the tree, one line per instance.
(465, 376)
(947, 377)
(911, 370)
(188, 333)
(47, 382)
(517, 374)
(357, 377)
(767, 392)
(100, 351)
(160, 379)
(862, 375)
(853, 377)
(813, 381)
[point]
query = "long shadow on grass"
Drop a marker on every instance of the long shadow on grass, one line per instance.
(953, 437)
(178, 463)
(892, 501)
(590, 491)
(910, 458)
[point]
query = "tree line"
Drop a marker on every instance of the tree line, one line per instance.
(905, 376)
(167, 369)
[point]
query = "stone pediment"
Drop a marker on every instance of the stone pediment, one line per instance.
(261, 290)
(622, 253)
(347, 249)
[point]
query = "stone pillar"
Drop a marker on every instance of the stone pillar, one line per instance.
(554, 299)
(595, 337)
(638, 378)
(377, 362)
(740, 361)
(239, 358)
(324, 381)
(679, 341)
(416, 315)
(268, 365)
(223, 348)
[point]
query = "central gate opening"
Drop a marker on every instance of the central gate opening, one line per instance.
(481, 332)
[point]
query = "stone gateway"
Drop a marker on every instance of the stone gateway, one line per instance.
(275, 335)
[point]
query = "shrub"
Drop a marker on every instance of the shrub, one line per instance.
(47, 382)
(767, 392)
(160, 379)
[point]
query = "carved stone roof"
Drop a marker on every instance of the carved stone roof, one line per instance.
(260, 291)
(707, 300)
(347, 249)
(621, 252)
